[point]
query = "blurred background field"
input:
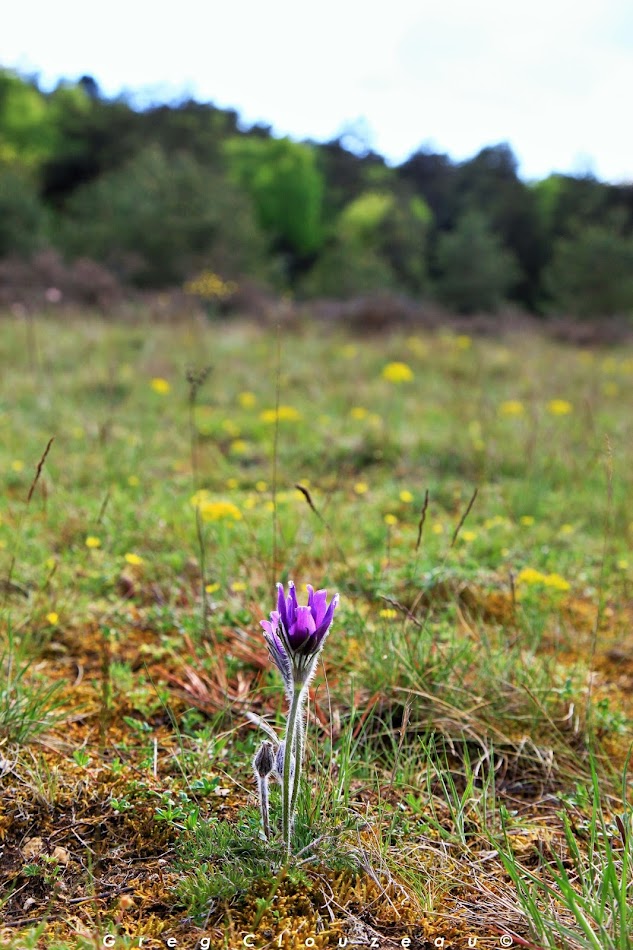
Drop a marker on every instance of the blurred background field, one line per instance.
(102, 200)
(468, 497)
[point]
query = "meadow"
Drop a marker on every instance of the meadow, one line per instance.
(469, 726)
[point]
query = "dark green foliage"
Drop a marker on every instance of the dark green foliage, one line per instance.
(476, 271)
(434, 177)
(489, 183)
(22, 215)
(564, 203)
(591, 274)
(346, 270)
(159, 217)
(380, 243)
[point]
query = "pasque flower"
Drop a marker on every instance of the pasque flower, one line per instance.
(295, 636)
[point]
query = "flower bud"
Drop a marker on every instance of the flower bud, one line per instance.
(279, 762)
(264, 761)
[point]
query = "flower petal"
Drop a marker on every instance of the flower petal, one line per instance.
(281, 606)
(302, 629)
(291, 603)
(317, 601)
(324, 626)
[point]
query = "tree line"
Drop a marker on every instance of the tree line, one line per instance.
(155, 194)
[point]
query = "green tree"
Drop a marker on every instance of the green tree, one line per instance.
(475, 269)
(591, 273)
(346, 270)
(286, 186)
(565, 203)
(489, 183)
(379, 243)
(395, 229)
(159, 217)
(27, 127)
(23, 218)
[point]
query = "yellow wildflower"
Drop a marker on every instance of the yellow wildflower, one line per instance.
(17, 465)
(437, 527)
(283, 414)
(406, 496)
(497, 521)
(93, 542)
(397, 373)
(559, 407)
(247, 400)
(390, 519)
(134, 559)
(238, 586)
(388, 613)
(468, 535)
(358, 412)
(133, 481)
(160, 386)
(261, 485)
(526, 520)
(239, 447)
(529, 575)
(52, 618)
(220, 511)
(212, 509)
(556, 582)
(211, 588)
(511, 407)
(361, 488)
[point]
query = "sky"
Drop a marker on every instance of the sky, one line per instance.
(553, 78)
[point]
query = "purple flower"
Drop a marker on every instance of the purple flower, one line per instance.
(277, 650)
(296, 634)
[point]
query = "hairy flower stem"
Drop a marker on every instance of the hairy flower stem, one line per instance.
(298, 751)
(294, 717)
(263, 804)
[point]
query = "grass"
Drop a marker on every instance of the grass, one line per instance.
(469, 730)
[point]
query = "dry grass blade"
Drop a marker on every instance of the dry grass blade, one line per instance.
(462, 520)
(423, 512)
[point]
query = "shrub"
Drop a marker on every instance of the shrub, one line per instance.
(591, 273)
(159, 218)
(475, 270)
(286, 187)
(22, 215)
